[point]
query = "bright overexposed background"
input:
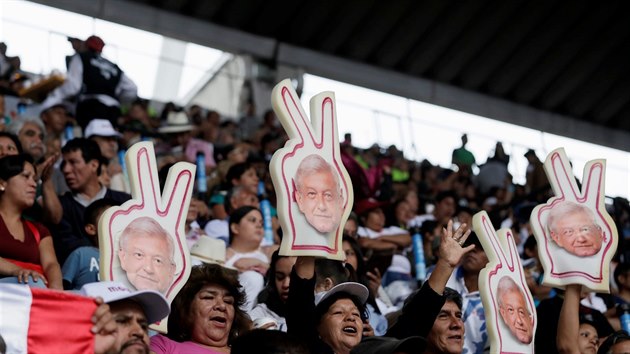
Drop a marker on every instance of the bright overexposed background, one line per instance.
(167, 69)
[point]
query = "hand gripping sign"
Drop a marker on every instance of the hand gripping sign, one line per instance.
(143, 242)
(507, 301)
(576, 236)
(313, 189)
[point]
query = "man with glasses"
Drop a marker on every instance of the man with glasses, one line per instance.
(572, 227)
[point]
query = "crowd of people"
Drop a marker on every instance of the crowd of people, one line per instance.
(242, 296)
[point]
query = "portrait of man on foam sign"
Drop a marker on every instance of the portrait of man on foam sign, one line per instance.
(313, 189)
(576, 236)
(143, 241)
(515, 313)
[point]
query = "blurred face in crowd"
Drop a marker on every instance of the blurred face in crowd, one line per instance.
(132, 334)
(32, 139)
(444, 210)
(351, 228)
(77, 172)
(249, 228)
(147, 260)
(244, 198)
(341, 327)
(474, 260)
(283, 276)
(319, 199)
(375, 220)
(447, 334)
(588, 340)
(212, 313)
(351, 256)
(249, 180)
(108, 145)
(403, 213)
(578, 234)
(516, 316)
(7, 147)
(55, 119)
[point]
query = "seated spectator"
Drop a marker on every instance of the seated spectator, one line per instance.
(245, 252)
(55, 118)
(27, 253)
(83, 264)
(132, 312)
(387, 345)
(243, 174)
(179, 131)
(206, 313)
(273, 298)
(9, 144)
(618, 342)
(30, 132)
(445, 207)
(81, 167)
(237, 197)
(103, 133)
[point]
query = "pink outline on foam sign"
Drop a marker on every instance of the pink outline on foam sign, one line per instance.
(497, 258)
(143, 160)
(597, 167)
(305, 141)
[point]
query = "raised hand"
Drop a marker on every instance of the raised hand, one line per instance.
(143, 243)
(451, 243)
(508, 304)
(313, 188)
(576, 236)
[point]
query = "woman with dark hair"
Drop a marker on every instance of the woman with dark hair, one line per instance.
(271, 307)
(246, 235)
(27, 253)
(242, 174)
(206, 315)
(331, 321)
(9, 144)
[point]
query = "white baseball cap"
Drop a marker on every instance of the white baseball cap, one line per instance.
(154, 304)
(100, 127)
(352, 288)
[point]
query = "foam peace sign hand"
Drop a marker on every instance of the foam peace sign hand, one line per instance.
(576, 236)
(507, 301)
(143, 242)
(313, 189)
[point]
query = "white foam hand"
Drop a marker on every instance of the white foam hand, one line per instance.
(168, 208)
(508, 303)
(576, 236)
(317, 136)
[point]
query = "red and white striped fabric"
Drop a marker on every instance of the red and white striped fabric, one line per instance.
(45, 321)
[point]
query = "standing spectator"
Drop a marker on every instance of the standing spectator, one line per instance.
(535, 178)
(463, 158)
(81, 167)
(100, 84)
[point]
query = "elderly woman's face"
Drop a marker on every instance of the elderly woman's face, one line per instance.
(341, 326)
(213, 313)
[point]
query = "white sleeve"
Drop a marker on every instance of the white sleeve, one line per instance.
(126, 91)
(72, 84)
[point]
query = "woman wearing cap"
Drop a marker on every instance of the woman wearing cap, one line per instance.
(329, 322)
(27, 252)
(206, 315)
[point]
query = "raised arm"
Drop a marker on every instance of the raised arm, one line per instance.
(569, 322)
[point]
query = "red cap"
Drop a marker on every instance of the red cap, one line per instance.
(95, 43)
(365, 205)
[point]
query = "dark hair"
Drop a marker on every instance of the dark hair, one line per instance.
(452, 295)
(263, 341)
(13, 165)
(237, 215)
(180, 320)
(330, 268)
(617, 337)
(15, 140)
(322, 307)
(93, 211)
(236, 171)
(269, 294)
(445, 194)
(621, 269)
(89, 150)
